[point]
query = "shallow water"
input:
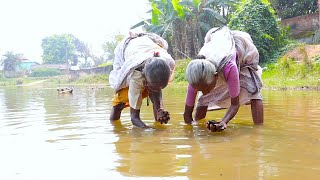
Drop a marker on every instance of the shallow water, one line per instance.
(45, 135)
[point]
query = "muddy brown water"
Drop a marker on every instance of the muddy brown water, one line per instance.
(46, 135)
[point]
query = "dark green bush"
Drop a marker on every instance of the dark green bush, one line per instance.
(45, 72)
(258, 19)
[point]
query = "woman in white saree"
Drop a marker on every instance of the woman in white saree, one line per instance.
(228, 75)
(142, 67)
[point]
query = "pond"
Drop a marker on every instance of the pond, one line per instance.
(46, 135)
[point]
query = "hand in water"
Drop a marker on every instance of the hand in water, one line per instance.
(163, 116)
(214, 126)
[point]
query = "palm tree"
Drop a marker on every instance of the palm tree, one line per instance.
(10, 62)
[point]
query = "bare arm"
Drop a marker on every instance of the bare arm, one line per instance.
(232, 76)
(160, 114)
(190, 100)
(232, 110)
(156, 99)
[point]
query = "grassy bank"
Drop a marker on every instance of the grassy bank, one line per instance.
(289, 74)
(296, 66)
(83, 80)
(18, 81)
(56, 80)
(285, 73)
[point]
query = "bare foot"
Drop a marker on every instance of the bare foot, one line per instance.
(137, 122)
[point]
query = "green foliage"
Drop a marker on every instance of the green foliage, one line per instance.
(292, 8)
(155, 14)
(184, 23)
(58, 49)
(17, 81)
(109, 46)
(180, 70)
(65, 48)
(178, 8)
(259, 21)
(287, 73)
(45, 72)
(10, 61)
(93, 79)
(108, 63)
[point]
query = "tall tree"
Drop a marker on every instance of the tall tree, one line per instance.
(109, 46)
(65, 48)
(58, 49)
(10, 62)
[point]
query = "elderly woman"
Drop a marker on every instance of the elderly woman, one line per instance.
(142, 68)
(228, 75)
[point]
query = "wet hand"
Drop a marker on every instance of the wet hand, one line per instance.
(163, 116)
(216, 126)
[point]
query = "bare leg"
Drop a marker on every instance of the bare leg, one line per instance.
(116, 112)
(135, 118)
(257, 111)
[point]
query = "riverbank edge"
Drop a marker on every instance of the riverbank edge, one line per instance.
(102, 81)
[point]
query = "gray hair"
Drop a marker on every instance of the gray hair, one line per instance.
(157, 70)
(200, 71)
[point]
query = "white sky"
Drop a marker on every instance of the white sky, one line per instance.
(24, 23)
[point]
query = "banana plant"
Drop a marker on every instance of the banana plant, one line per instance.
(183, 23)
(163, 14)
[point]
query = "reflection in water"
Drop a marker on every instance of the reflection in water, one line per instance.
(46, 135)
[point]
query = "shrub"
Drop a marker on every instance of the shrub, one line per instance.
(259, 20)
(45, 72)
(180, 70)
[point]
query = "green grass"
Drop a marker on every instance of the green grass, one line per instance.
(93, 79)
(17, 81)
(283, 73)
(84, 80)
(54, 80)
(180, 71)
(286, 73)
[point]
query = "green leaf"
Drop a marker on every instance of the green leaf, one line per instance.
(204, 26)
(142, 23)
(196, 2)
(215, 15)
(155, 14)
(187, 3)
(178, 8)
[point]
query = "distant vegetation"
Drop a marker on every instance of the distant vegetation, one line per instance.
(184, 23)
(45, 72)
